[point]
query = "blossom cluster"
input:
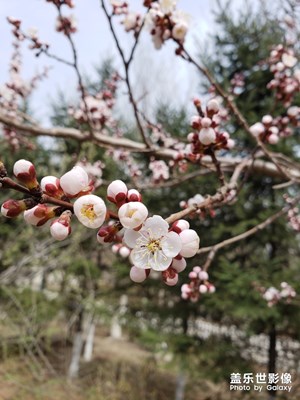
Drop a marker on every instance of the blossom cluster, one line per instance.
(198, 285)
(237, 83)
(16, 90)
(206, 136)
(165, 22)
(66, 25)
(196, 201)
(286, 80)
(119, 7)
(271, 129)
(132, 20)
(97, 108)
(160, 170)
(293, 215)
(37, 212)
(31, 35)
(159, 247)
(162, 138)
(150, 241)
(273, 295)
(59, 3)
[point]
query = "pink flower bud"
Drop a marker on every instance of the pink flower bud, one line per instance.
(134, 195)
(211, 288)
(170, 276)
(124, 252)
(230, 144)
(108, 234)
(257, 129)
(206, 122)
(13, 208)
(39, 214)
(196, 122)
(171, 281)
(137, 275)
(190, 243)
(178, 265)
(185, 288)
(90, 211)
(203, 275)
(203, 289)
(117, 192)
(207, 136)
(132, 214)
(180, 225)
(75, 182)
(50, 185)
(293, 111)
(115, 248)
(197, 269)
(59, 231)
(191, 136)
(193, 275)
(273, 139)
(60, 228)
(24, 171)
(267, 119)
(213, 106)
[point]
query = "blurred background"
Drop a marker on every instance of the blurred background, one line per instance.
(72, 324)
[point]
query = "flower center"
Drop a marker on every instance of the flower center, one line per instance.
(130, 213)
(88, 211)
(153, 245)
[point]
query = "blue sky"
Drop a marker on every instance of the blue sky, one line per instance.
(94, 43)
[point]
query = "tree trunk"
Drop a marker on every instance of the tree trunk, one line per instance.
(272, 357)
(89, 344)
(77, 348)
(180, 386)
(115, 328)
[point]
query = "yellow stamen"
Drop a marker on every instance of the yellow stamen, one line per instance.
(88, 211)
(153, 245)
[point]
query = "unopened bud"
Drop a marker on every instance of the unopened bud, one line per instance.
(25, 172)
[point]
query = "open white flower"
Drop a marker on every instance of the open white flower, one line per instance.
(153, 246)
(167, 6)
(132, 214)
(90, 211)
(289, 60)
(179, 31)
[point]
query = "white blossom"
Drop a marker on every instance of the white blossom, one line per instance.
(90, 210)
(59, 230)
(289, 60)
(207, 136)
(75, 181)
(153, 246)
(190, 243)
(137, 275)
(132, 214)
(117, 191)
(179, 31)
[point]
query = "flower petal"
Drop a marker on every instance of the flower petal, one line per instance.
(140, 258)
(157, 225)
(171, 244)
(130, 237)
(159, 261)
